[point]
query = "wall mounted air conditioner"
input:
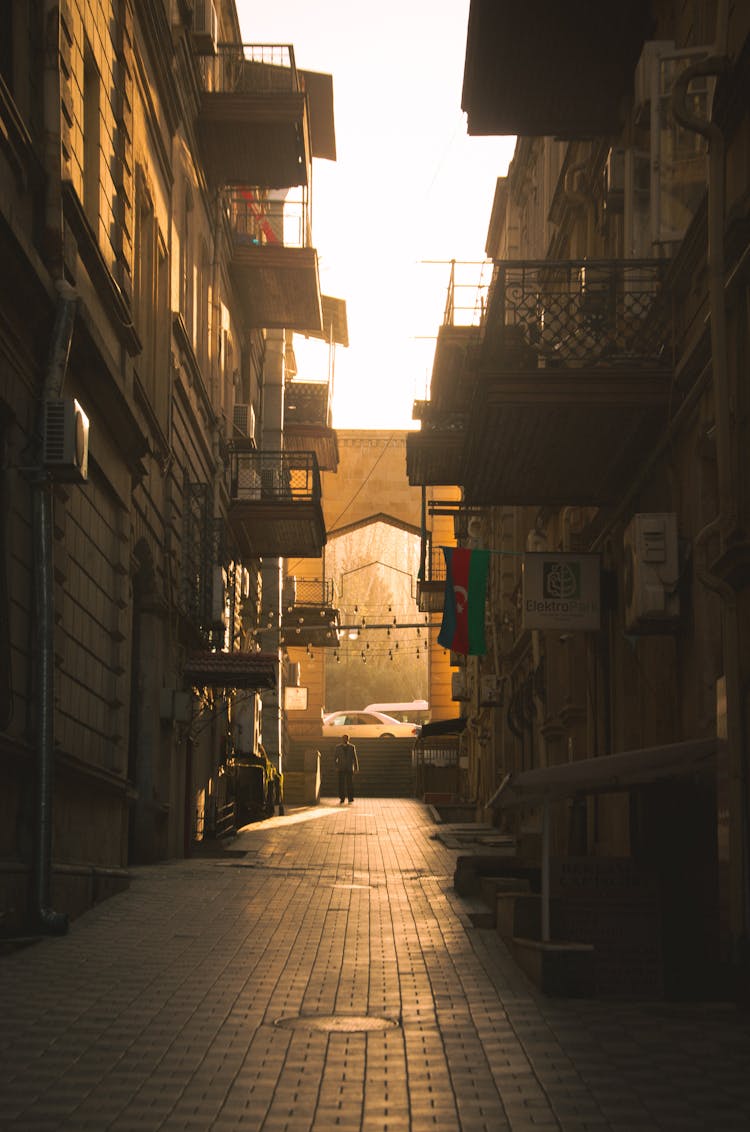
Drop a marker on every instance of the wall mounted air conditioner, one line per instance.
(651, 572)
(66, 440)
(243, 419)
(205, 31)
(459, 685)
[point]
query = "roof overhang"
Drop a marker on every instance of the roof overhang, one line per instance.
(249, 671)
(607, 773)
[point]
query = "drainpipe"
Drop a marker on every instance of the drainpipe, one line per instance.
(725, 522)
(48, 921)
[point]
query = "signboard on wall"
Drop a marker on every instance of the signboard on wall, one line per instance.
(295, 699)
(561, 591)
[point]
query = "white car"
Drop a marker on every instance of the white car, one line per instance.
(367, 725)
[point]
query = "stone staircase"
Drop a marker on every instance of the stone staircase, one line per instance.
(385, 769)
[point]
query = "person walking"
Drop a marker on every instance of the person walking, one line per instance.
(347, 764)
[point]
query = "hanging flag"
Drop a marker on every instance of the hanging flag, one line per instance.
(465, 594)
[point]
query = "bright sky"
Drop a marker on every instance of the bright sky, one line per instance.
(408, 186)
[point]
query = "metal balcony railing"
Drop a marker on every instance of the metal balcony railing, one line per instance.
(274, 477)
(257, 219)
(308, 592)
(251, 68)
(434, 567)
(307, 402)
(578, 314)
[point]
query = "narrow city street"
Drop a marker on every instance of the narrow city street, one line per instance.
(324, 974)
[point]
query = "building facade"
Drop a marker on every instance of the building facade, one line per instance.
(155, 186)
(595, 418)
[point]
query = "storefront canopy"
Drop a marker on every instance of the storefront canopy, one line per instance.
(251, 671)
(607, 773)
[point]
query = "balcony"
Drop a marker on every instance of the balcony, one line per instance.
(275, 504)
(560, 69)
(273, 266)
(574, 382)
(308, 614)
(431, 588)
(307, 422)
(254, 121)
(434, 454)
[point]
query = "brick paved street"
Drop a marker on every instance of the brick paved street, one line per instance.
(330, 978)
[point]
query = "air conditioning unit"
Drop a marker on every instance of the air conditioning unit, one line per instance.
(243, 420)
(651, 572)
(66, 440)
(205, 28)
(459, 685)
(490, 691)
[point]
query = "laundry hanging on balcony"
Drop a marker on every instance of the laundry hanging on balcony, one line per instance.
(462, 630)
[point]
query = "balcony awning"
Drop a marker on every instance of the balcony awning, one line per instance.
(319, 89)
(608, 773)
(251, 671)
(553, 68)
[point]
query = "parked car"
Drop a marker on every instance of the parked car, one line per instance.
(367, 725)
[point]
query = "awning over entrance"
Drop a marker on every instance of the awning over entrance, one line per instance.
(607, 773)
(443, 727)
(250, 671)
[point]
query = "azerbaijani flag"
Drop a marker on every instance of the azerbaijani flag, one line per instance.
(465, 594)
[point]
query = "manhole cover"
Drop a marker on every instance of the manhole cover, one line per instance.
(336, 1023)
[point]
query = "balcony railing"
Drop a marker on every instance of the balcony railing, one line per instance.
(431, 588)
(251, 68)
(275, 503)
(254, 118)
(274, 476)
(308, 614)
(257, 219)
(308, 592)
(580, 314)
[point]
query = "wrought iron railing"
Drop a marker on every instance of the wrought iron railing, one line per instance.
(251, 68)
(258, 219)
(274, 477)
(434, 566)
(578, 313)
(307, 402)
(308, 591)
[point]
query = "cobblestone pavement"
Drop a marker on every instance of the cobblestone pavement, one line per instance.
(330, 978)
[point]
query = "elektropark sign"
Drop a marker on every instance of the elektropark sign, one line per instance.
(561, 591)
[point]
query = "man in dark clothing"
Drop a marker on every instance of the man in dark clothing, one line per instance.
(347, 765)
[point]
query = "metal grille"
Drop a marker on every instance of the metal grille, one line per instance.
(577, 314)
(196, 556)
(251, 68)
(281, 477)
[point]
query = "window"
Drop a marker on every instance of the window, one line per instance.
(91, 136)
